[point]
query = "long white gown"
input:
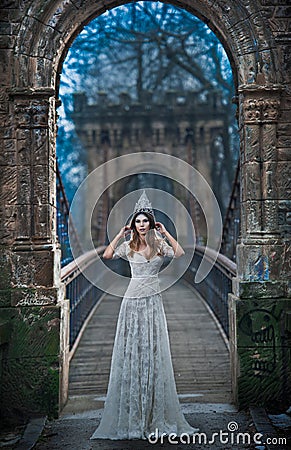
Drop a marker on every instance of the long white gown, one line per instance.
(142, 394)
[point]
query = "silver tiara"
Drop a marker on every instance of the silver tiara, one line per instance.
(143, 205)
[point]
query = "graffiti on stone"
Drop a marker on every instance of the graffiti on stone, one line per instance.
(258, 326)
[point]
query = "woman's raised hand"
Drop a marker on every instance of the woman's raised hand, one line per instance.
(109, 251)
(124, 231)
(160, 227)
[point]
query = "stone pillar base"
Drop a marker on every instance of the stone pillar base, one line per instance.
(260, 352)
(34, 332)
(33, 358)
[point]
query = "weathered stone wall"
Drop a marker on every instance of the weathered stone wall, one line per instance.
(35, 36)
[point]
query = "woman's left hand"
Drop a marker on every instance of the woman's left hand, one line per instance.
(160, 227)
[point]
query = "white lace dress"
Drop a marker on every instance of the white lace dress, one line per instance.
(141, 394)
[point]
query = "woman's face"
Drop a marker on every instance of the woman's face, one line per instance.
(142, 224)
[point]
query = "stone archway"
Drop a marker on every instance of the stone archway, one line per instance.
(35, 39)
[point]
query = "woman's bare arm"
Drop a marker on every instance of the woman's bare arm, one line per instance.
(109, 251)
(178, 251)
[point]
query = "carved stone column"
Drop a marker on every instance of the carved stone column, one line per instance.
(259, 307)
(35, 361)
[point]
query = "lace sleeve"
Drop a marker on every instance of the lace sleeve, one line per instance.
(120, 251)
(167, 250)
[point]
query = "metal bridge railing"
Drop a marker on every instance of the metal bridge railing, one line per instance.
(63, 216)
(231, 226)
(217, 285)
(84, 295)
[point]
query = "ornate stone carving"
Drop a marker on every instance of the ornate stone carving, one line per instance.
(270, 109)
(22, 114)
(7, 155)
(269, 141)
(39, 138)
(252, 211)
(269, 180)
(251, 173)
(252, 110)
(8, 223)
(252, 143)
(284, 139)
(261, 110)
(23, 146)
(283, 180)
(273, 2)
(24, 183)
(284, 216)
(270, 216)
(3, 101)
(9, 181)
(31, 114)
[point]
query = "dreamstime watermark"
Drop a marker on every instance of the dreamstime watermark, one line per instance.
(103, 177)
(232, 436)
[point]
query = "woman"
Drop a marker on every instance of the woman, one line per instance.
(142, 397)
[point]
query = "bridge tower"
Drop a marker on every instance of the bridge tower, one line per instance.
(181, 124)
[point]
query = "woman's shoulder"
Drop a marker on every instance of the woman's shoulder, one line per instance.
(165, 248)
(121, 250)
(126, 244)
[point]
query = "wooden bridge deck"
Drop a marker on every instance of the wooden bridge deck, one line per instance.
(199, 353)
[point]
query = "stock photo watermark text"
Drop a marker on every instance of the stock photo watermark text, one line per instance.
(231, 436)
